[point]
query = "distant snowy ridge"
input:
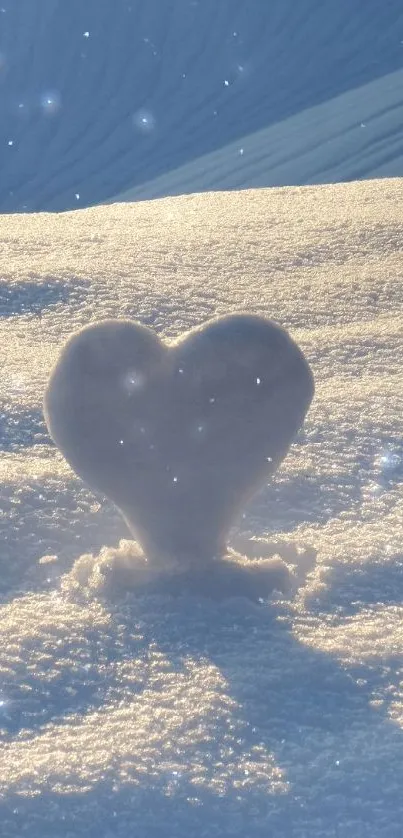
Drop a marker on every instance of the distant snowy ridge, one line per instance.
(149, 97)
(355, 135)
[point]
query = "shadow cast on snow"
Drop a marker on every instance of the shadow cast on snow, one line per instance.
(349, 589)
(22, 429)
(50, 517)
(289, 697)
(34, 298)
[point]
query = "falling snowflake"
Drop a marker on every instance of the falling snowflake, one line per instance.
(50, 102)
(133, 380)
(144, 121)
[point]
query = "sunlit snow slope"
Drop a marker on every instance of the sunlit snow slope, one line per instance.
(145, 98)
(163, 716)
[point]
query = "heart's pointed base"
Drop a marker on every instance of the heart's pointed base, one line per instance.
(116, 572)
(186, 546)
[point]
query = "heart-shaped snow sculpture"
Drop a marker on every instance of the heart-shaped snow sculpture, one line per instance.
(178, 436)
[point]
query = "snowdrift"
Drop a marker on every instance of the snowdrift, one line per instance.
(171, 713)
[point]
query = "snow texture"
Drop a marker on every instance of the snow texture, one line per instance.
(169, 713)
(144, 98)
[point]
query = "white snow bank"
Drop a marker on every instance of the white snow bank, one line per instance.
(183, 715)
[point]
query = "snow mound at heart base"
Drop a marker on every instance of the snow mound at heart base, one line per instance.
(116, 571)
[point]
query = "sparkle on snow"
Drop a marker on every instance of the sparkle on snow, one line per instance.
(16, 384)
(3, 704)
(374, 489)
(389, 460)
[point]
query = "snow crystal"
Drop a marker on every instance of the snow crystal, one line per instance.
(50, 102)
(132, 381)
(144, 121)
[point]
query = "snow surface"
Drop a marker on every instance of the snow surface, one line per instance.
(144, 98)
(155, 715)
